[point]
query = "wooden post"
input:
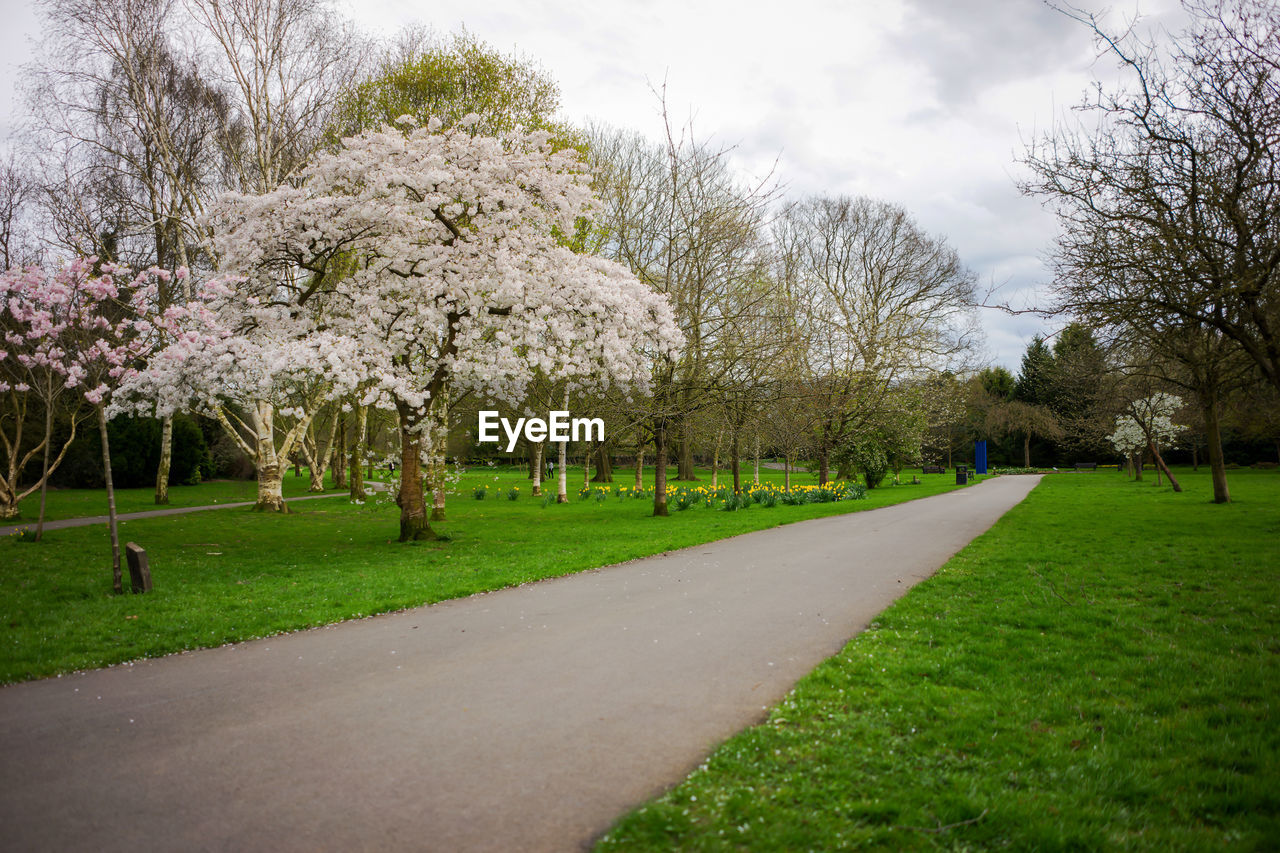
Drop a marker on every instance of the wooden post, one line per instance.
(139, 571)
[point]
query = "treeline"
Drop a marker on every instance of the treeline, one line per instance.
(362, 243)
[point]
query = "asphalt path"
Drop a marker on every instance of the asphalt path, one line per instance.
(526, 719)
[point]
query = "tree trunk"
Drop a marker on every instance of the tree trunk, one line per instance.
(438, 492)
(270, 482)
(270, 489)
(844, 471)
(639, 459)
(44, 466)
(316, 471)
(562, 490)
(715, 462)
(1195, 459)
(824, 464)
(357, 450)
(786, 472)
(755, 479)
(562, 475)
(413, 507)
(660, 468)
(117, 581)
(604, 463)
(533, 463)
(166, 460)
(1026, 451)
(586, 467)
(1217, 462)
(440, 434)
(1135, 459)
(1160, 466)
(735, 452)
(684, 467)
(340, 453)
(318, 459)
(535, 455)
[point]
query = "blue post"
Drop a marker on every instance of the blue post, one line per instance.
(980, 456)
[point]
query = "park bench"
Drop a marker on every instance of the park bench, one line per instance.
(933, 469)
(1086, 466)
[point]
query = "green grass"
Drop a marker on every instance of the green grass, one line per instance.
(1099, 671)
(77, 503)
(234, 574)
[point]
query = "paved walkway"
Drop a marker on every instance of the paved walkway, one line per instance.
(526, 719)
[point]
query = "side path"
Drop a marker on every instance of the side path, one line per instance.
(90, 520)
(526, 719)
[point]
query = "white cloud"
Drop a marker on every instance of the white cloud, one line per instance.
(925, 103)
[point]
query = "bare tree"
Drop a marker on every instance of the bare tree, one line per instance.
(880, 301)
(1169, 198)
(285, 64)
(682, 220)
(131, 124)
(19, 193)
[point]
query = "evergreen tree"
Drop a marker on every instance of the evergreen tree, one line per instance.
(1036, 379)
(1078, 393)
(997, 382)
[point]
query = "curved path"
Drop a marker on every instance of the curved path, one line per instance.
(526, 719)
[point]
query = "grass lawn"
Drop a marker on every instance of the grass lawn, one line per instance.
(1101, 670)
(77, 503)
(234, 574)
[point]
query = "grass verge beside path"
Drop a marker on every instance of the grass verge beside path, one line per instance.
(234, 574)
(1100, 670)
(78, 503)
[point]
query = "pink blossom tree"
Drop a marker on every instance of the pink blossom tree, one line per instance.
(89, 326)
(440, 254)
(33, 368)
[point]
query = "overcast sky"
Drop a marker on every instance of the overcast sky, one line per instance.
(925, 103)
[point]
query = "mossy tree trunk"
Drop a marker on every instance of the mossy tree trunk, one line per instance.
(355, 468)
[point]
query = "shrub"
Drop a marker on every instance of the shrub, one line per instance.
(480, 492)
(873, 461)
(855, 492)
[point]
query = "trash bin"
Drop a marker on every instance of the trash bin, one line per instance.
(962, 475)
